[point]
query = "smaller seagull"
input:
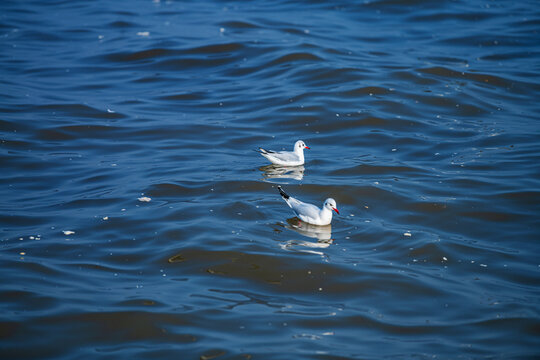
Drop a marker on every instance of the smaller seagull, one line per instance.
(286, 158)
(310, 213)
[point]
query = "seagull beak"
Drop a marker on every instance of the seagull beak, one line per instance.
(336, 210)
(307, 147)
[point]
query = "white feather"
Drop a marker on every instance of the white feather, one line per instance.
(310, 213)
(286, 158)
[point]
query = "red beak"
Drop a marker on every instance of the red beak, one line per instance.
(307, 147)
(336, 210)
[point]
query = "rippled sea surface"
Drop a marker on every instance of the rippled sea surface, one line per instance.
(137, 222)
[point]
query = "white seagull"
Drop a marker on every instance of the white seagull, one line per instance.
(310, 213)
(286, 158)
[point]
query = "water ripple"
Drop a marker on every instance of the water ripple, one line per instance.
(137, 221)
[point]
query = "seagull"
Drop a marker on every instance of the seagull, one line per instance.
(310, 213)
(286, 158)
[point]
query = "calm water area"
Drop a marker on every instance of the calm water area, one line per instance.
(137, 222)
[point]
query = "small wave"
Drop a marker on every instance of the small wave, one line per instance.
(78, 111)
(477, 77)
(152, 54)
(295, 57)
(239, 25)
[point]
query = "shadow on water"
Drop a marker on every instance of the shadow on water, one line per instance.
(323, 234)
(319, 232)
(282, 172)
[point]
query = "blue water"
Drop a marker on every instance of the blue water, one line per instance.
(137, 221)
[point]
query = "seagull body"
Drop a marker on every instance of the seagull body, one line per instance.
(310, 213)
(286, 158)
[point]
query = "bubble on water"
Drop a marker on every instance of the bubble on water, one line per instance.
(144, 199)
(68, 232)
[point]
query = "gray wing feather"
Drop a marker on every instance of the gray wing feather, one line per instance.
(286, 156)
(301, 208)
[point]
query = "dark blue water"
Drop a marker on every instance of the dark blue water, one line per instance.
(423, 123)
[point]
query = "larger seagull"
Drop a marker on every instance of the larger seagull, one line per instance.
(310, 213)
(286, 158)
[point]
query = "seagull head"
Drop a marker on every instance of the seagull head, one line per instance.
(300, 145)
(330, 204)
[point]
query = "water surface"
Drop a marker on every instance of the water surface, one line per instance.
(422, 118)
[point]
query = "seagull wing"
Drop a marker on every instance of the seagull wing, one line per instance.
(306, 212)
(283, 156)
(264, 151)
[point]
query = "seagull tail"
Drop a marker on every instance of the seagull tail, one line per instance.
(264, 151)
(283, 194)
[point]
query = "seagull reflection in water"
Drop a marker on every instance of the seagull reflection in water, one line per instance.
(282, 172)
(323, 234)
